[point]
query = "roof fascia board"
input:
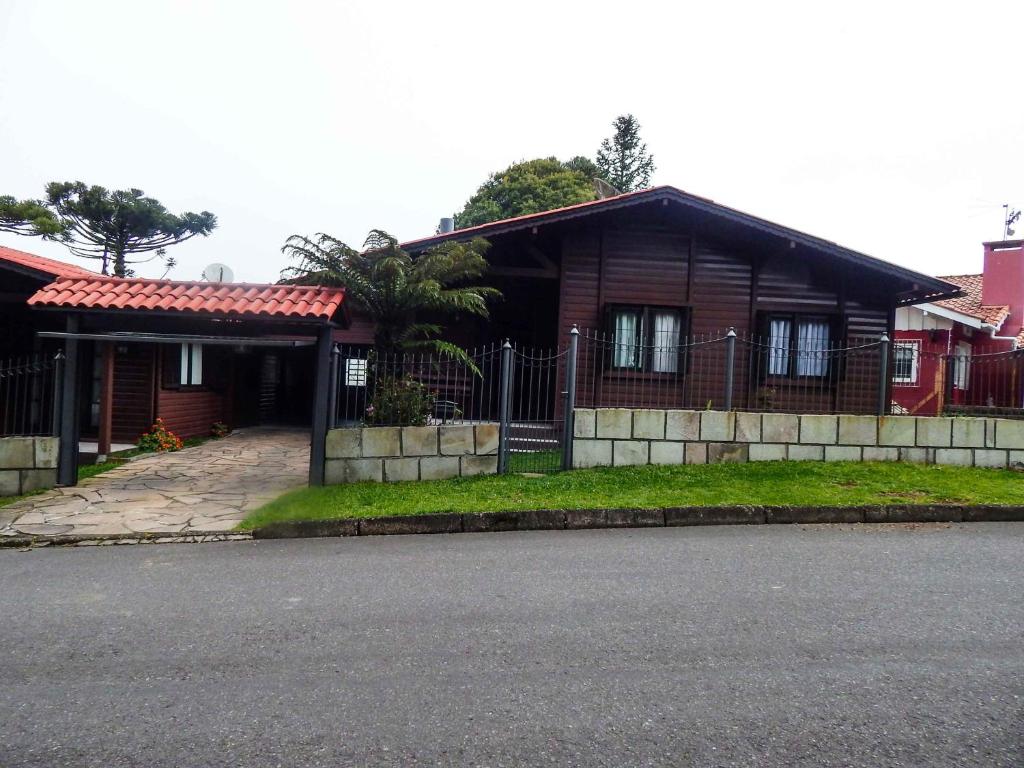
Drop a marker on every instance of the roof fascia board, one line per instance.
(115, 312)
(957, 317)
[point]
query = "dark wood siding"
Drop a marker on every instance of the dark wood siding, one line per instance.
(133, 392)
(723, 284)
(191, 412)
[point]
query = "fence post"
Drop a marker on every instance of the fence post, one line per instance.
(58, 390)
(730, 366)
(332, 393)
(883, 375)
(505, 393)
(570, 397)
(67, 458)
(950, 370)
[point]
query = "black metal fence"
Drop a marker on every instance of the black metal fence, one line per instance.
(30, 395)
(515, 387)
(981, 381)
(530, 393)
(730, 370)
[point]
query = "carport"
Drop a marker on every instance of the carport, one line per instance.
(184, 352)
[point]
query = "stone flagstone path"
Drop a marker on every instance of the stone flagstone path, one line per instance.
(205, 489)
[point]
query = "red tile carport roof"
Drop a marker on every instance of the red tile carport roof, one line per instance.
(299, 302)
(41, 264)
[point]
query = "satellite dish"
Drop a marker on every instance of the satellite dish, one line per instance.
(218, 273)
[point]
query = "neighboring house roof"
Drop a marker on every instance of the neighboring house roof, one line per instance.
(298, 302)
(970, 302)
(40, 266)
(926, 287)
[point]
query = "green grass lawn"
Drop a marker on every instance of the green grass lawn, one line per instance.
(761, 483)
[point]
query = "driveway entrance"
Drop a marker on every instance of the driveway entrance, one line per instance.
(205, 489)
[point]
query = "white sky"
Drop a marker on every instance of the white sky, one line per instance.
(893, 128)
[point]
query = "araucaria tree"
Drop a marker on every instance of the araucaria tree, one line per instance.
(394, 288)
(623, 159)
(118, 228)
(28, 217)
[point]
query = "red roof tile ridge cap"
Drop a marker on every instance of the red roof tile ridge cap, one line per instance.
(564, 208)
(164, 281)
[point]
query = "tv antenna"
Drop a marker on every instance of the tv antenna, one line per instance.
(1010, 217)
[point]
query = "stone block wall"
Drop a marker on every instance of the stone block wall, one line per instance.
(27, 464)
(630, 437)
(392, 454)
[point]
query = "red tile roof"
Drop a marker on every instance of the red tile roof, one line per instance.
(236, 299)
(970, 302)
(40, 264)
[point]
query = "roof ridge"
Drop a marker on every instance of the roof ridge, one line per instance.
(164, 281)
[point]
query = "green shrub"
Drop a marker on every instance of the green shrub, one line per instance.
(399, 402)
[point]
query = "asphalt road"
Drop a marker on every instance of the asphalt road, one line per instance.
(768, 645)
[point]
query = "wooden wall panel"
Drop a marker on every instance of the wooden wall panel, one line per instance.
(721, 289)
(580, 289)
(133, 392)
(645, 267)
(191, 412)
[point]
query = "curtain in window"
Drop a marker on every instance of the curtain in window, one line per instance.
(812, 348)
(962, 365)
(627, 332)
(191, 364)
(778, 352)
(665, 357)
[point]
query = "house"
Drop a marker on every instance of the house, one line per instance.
(23, 274)
(657, 267)
(959, 353)
(192, 353)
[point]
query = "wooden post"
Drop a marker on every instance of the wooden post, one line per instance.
(321, 396)
(106, 401)
(67, 463)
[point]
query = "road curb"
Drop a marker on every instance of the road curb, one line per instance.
(576, 519)
(72, 540)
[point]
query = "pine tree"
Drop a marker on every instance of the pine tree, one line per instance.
(623, 160)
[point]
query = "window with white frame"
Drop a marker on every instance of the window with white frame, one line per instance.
(798, 345)
(962, 365)
(191, 365)
(646, 338)
(905, 357)
(355, 372)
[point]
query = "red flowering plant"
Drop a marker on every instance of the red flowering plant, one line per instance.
(159, 438)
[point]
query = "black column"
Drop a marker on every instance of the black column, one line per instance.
(67, 462)
(321, 396)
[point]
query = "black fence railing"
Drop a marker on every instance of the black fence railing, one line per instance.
(414, 388)
(29, 395)
(515, 387)
(731, 370)
(983, 383)
(530, 393)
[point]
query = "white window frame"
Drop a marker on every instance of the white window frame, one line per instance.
(191, 365)
(914, 345)
(356, 369)
(962, 369)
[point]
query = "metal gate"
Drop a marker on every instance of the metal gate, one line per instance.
(533, 417)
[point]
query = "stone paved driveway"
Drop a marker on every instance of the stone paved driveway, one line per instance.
(204, 489)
